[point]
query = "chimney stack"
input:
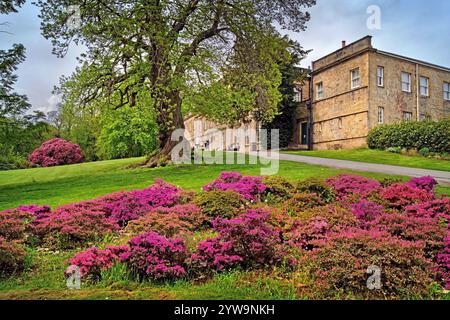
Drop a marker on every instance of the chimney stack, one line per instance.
(344, 43)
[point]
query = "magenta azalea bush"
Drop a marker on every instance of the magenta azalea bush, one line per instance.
(436, 208)
(93, 261)
(424, 183)
(367, 210)
(248, 240)
(251, 188)
(349, 185)
(400, 195)
(72, 226)
(401, 227)
(340, 266)
(56, 152)
(443, 260)
(151, 255)
(12, 257)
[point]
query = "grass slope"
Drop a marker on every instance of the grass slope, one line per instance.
(67, 184)
(378, 156)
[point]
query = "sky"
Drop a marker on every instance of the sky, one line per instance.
(413, 28)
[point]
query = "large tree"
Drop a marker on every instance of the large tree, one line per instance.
(168, 46)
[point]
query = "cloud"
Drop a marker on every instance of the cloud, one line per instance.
(52, 103)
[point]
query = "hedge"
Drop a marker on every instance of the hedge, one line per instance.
(412, 135)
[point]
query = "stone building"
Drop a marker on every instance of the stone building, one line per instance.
(349, 92)
(207, 135)
(359, 87)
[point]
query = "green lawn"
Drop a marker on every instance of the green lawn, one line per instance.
(67, 184)
(378, 156)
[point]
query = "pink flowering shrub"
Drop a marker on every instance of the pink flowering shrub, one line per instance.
(443, 260)
(340, 267)
(334, 230)
(15, 224)
(154, 256)
(348, 185)
(251, 188)
(132, 205)
(437, 208)
(93, 261)
(34, 209)
(366, 210)
(400, 195)
(424, 183)
(168, 225)
(12, 257)
(428, 231)
(308, 235)
(56, 152)
(214, 254)
(71, 226)
(248, 240)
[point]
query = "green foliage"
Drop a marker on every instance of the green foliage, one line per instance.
(425, 152)
(12, 257)
(101, 130)
(20, 133)
(283, 121)
(277, 189)
(217, 203)
(318, 187)
(12, 104)
(127, 132)
(7, 6)
(301, 202)
(412, 135)
(19, 136)
(396, 150)
(10, 160)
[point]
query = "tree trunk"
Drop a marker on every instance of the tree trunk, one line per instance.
(169, 119)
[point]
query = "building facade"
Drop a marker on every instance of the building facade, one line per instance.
(204, 134)
(359, 87)
(347, 93)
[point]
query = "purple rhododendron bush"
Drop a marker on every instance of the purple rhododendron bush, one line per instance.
(331, 232)
(56, 152)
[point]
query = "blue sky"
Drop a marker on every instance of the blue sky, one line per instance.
(418, 29)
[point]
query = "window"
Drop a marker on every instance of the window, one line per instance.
(355, 78)
(320, 90)
(380, 115)
(424, 86)
(406, 82)
(447, 91)
(407, 116)
(380, 76)
(298, 95)
(340, 123)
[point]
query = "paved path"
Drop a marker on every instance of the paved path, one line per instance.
(443, 177)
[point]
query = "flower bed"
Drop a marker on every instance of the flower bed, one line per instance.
(334, 231)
